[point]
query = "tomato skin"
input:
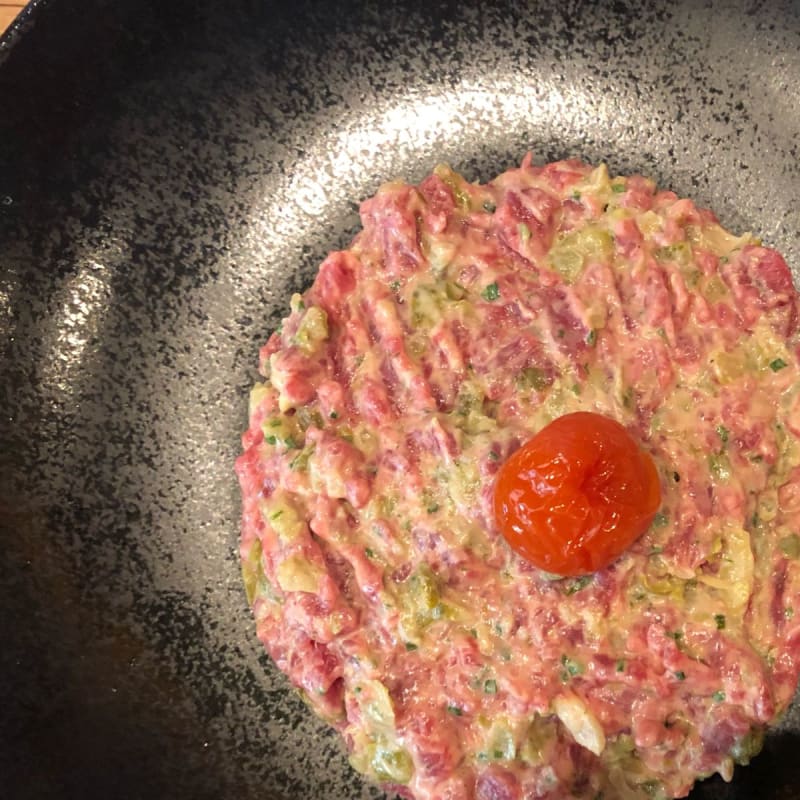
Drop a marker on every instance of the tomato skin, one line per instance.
(576, 495)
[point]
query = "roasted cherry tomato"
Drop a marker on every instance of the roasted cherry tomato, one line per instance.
(576, 495)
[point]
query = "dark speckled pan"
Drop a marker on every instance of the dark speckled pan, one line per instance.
(169, 173)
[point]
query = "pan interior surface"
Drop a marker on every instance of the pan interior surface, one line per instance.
(169, 175)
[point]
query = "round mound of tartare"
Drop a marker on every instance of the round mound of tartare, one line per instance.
(461, 321)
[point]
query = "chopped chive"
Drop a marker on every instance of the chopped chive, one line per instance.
(621, 665)
(494, 456)
(723, 434)
(591, 337)
(577, 584)
(410, 646)
(394, 285)
(433, 508)
(455, 710)
(680, 675)
(489, 206)
(369, 552)
(788, 612)
(777, 364)
(572, 668)
(617, 188)
(576, 195)
(720, 620)
(718, 696)
(660, 520)
(491, 292)
(490, 686)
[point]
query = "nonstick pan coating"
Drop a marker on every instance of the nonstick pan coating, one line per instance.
(170, 172)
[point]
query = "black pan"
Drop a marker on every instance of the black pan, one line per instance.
(170, 171)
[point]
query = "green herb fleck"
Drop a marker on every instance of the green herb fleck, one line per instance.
(490, 686)
(576, 195)
(290, 443)
(777, 365)
(473, 633)
(660, 520)
(369, 552)
(680, 675)
(524, 232)
(271, 439)
(494, 456)
(655, 550)
(617, 188)
(788, 612)
(498, 755)
(561, 333)
(591, 337)
(756, 520)
(411, 646)
(720, 620)
(723, 434)
(489, 206)
(433, 508)
(621, 665)
(571, 668)
(577, 584)
(676, 635)
(718, 696)
(455, 710)
(334, 415)
(491, 292)
(276, 514)
(394, 285)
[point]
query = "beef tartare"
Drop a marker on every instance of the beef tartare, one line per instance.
(462, 320)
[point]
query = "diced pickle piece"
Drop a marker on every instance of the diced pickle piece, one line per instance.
(297, 574)
(251, 570)
(278, 511)
(572, 253)
(392, 766)
(313, 330)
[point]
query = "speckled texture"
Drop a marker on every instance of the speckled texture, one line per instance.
(169, 174)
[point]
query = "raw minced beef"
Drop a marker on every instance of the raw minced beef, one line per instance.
(462, 319)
